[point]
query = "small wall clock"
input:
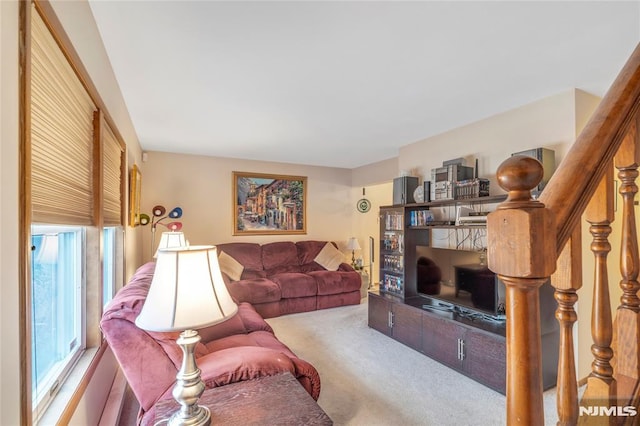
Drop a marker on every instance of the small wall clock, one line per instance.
(363, 205)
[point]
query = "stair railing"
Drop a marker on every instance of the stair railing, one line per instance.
(529, 241)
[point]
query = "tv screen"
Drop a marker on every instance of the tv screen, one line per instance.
(460, 278)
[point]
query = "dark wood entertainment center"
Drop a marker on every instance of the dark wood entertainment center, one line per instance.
(469, 341)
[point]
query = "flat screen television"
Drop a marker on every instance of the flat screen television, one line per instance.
(459, 279)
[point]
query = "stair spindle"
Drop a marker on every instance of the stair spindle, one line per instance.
(601, 385)
(567, 280)
(627, 333)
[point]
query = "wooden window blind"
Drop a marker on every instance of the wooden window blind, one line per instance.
(61, 135)
(112, 176)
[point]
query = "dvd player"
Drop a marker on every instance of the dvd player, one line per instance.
(469, 220)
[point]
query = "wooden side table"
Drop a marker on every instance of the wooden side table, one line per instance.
(269, 400)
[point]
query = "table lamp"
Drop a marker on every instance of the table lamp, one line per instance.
(187, 292)
(353, 245)
(169, 240)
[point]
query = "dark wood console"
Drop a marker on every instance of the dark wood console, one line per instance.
(473, 347)
(470, 337)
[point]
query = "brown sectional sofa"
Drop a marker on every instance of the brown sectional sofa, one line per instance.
(283, 278)
(277, 278)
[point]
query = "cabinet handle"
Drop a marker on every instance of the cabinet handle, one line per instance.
(460, 349)
(390, 319)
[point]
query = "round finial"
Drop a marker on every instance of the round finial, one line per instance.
(518, 175)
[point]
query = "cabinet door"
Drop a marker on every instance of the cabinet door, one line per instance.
(379, 310)
(407, 325)
(486, 359)
(441, 340)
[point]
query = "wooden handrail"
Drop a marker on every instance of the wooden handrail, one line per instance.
(569, 190)
(525, 236)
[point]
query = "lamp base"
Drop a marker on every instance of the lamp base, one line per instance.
(201, 416)
(189, 387)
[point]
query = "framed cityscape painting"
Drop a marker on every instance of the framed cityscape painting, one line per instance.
(265, 204)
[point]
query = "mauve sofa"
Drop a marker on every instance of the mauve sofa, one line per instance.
(241, 348)
(283, 278)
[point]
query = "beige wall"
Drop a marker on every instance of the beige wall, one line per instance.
(375, 173)
(9, 225)
(548, 123)
(367, 224)
(202, 186)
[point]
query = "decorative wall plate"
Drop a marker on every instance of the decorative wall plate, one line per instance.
(418, 194)
(363, 205)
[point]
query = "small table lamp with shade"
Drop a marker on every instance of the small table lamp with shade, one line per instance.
(353, 245)
(187, 292)
(170, 240)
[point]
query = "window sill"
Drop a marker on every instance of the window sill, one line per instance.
(63, 397)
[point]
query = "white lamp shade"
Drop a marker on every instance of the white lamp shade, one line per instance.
(353, 244)
(187, 291)
(169, 240)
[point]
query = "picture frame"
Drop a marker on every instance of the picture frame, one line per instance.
(135, 190)
(269, 204)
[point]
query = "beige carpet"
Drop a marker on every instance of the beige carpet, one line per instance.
(369, 379)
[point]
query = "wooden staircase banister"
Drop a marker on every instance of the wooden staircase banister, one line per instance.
(525, 238)
(570, 189)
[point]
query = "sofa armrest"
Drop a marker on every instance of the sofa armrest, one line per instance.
(308, 377)
(345, 267)
(249, 362)
(146, 366)
(251, 319)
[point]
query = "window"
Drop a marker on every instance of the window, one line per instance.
(75, 165)
(57, 336)
(109, 263)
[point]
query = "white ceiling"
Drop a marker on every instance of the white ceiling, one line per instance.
(344, 84)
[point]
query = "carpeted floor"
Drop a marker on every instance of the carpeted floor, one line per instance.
(370, 379)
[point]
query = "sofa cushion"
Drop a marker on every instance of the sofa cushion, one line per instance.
(262, 339)
(238, 363)
(230, 266)
(252, 275)
(329, 257)
(280, 257)
(259, 290)
(298, 304)
(330, 282)
(248, 254)
(308, 250)
(234, 325)
(293, 284)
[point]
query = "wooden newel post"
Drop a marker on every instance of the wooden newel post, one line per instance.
(522, 251)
